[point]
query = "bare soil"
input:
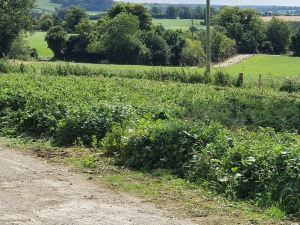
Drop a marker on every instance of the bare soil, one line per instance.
(35, 192)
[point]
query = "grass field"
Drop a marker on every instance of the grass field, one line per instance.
(37, 41)
(47, 5)
(269, 66)
(176, 24)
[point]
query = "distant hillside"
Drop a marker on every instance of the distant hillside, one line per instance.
(90, 5)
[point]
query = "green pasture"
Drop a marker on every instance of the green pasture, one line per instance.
(270, 67)
(178, 24)
(37, 41)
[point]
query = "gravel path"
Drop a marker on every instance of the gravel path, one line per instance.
(233, 60)
(35, 192)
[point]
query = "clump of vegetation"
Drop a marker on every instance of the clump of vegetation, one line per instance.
(290, 85)
(262, 166)
(7, 67)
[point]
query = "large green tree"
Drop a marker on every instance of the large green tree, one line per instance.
(242, 25)
(14, 17)
(159, 49)
(176, 42)
(57, 39)
(279, 34)
(121, 40)
(73, 17)
(144, 17)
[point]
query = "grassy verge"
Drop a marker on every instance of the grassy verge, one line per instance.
(160, 187)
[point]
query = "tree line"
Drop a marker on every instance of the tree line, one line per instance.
(126, 34)
(183, 12)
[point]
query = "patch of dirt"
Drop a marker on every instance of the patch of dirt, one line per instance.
(35, 192)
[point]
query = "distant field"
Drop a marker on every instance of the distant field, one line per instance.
(37, 41)
(285, 18)
(176, 24)
(46, 4)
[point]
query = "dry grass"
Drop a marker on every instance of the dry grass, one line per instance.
(285, 18)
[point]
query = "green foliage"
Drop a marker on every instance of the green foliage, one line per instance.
(242, 25)
(20, 50)
(182, 75)
(14, 17)
(73, 17)
(222, 47)
(279, 34)
(290, 85)
(164, 128)
(159, 49)
(222, 78)
(176, 42)
(121, 40)
(138, 10)
(261, 166)
(61, 95)
(193, 54)
(6, 67)
(296, 43)
(46, 21)
(56, 39)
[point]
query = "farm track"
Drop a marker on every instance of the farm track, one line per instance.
(35, 192)
(233, 60)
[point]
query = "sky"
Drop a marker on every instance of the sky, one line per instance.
(228, 2)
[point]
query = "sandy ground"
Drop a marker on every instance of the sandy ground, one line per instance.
(233, 60)
(35, 192)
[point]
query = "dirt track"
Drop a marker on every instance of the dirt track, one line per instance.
(233, 60)
(35, 192)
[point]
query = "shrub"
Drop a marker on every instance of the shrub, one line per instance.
(262, 166)
(222, 78)
(290, 85)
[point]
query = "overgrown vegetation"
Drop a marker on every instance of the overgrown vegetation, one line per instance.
(165, 128)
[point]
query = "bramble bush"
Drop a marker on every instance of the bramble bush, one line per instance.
(261, 166)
